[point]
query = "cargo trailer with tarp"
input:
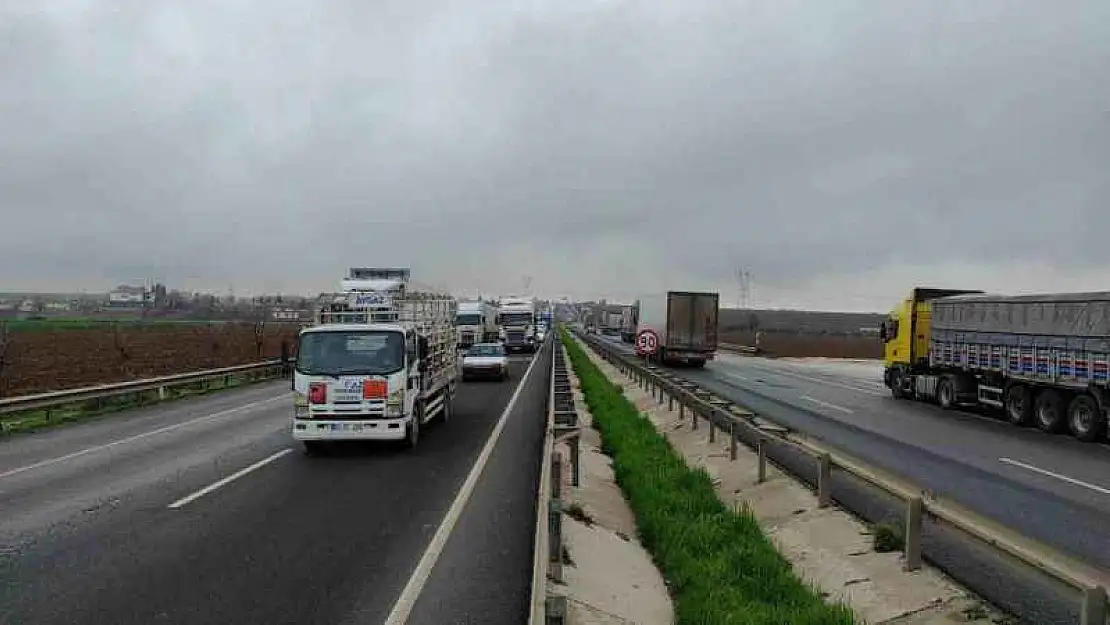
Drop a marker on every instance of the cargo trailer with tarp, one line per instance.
(1043, 359)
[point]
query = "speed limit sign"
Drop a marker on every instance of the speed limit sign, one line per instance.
(647, 342)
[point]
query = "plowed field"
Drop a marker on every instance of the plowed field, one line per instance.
(805, 345)
(48, 360)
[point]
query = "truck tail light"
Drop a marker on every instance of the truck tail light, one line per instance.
(317, 393)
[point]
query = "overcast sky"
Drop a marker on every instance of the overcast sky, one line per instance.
(841, 152)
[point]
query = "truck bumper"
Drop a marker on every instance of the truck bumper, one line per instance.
(376, 430)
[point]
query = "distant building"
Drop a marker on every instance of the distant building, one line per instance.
(287, 314)
(130, 297)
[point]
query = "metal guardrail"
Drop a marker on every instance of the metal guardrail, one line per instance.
(741, 349)
(59, 399)
(741, 425)
(562, 426)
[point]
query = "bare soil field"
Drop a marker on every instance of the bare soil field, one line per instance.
(805, 333)
(809, 345)
(65, 358)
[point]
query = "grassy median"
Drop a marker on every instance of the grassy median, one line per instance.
(720, 567)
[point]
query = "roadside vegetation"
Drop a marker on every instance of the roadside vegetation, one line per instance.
(720, 568)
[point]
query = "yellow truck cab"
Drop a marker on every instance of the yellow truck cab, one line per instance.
(905, 335)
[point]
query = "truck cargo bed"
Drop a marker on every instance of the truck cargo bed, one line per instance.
(1060, 339)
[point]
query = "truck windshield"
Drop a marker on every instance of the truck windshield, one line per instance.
(516, 319)
(468, 319)
(356, 352)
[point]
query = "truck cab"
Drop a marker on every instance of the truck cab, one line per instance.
(516, 319)
(905, 336)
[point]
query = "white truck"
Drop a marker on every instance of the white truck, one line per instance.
(685, 324)
(516, 318)
(378, 364)
(476, 322)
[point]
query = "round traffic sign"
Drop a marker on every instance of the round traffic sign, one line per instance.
(647, 342)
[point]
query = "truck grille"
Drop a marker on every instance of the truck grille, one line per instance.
(514, 337)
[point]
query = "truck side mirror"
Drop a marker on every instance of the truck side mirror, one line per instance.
(882, 332)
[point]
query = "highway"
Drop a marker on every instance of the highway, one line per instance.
(1052, 488)
(204, 511)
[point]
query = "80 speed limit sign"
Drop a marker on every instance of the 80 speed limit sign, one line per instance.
(647, 342)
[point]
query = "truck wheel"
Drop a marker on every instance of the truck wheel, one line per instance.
(412, 432)
(445, 415)
(314, 448)
(1085, 420)
(897, 383)
(1049, 409)
(1019, 408)
(697, 364)
(946, 393)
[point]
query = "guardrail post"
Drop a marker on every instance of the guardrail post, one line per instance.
(661, 393)
(555, 520)
(712, 425)
(1093, 609)
(693, 419)
(575, 460)
(914, 508)
(670, 402)
(732, 441)
(556, 611)
(761, 452)
(681, 410)
(824, 485)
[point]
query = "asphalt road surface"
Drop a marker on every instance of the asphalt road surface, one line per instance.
(204, 511)
(1050, 487)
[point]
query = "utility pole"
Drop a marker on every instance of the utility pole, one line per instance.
(744, 296)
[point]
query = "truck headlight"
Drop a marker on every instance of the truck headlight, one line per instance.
(300, 407)
(395, 404)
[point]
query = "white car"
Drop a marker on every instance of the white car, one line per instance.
(485, 360)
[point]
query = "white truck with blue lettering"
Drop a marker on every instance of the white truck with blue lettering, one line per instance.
(379, 363)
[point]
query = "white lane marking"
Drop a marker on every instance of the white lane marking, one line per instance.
(827, 404)
(130, 439)
(736, 377)
(407, 600)
(231, 478)
(807, 378)
(1053, 474)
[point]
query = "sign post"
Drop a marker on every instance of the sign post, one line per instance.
(647, 343)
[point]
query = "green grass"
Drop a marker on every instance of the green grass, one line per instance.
(35, 420)
(719, 566)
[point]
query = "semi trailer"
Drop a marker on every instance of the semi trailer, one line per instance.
(1042, 360)
(685, 324)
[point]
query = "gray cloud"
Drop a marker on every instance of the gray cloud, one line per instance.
(840, 151)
